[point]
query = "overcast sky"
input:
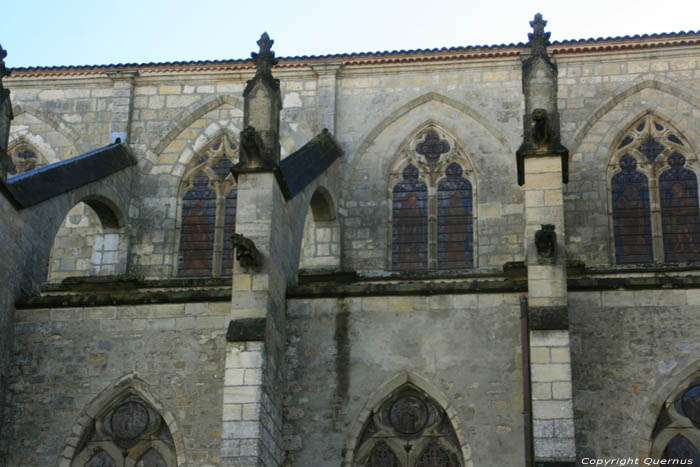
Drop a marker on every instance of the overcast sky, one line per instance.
(95, 32)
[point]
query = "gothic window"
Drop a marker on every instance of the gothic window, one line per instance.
(432, 195)
(130, 430)
(676, 434)
(208, 212)
(654, 196)
(408, 429)
(23, 157)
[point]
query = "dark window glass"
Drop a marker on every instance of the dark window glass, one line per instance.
(631, 214)
(101, 459)
(435, 456)
(410, 222)
(433, 147)
(152, 459)
(678, 190)
(455, 221)
(651, 149)
(197, 232)
(229, 229)
(681, 449)
(382, 456)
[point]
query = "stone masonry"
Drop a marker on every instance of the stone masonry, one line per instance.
(312, 348)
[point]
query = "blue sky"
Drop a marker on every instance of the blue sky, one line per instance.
(79, 32)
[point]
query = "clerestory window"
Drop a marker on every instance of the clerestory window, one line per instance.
(23, 157)
(432, 214)
(654, 195)
(208, 212)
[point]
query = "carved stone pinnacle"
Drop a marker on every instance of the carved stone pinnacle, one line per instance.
(4, 71)
(538, 38)
(265, 59)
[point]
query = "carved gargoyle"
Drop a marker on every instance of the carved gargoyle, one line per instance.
(546, 241)
(247, 254)
(251, 154)
(541, 129)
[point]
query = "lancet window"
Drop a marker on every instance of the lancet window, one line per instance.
(408, 429)
(654, 195)
(676, 433)
(208, 212)
(432, 211)
(23, 157)
(129, 433)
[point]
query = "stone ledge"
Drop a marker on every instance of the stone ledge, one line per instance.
(246, 329)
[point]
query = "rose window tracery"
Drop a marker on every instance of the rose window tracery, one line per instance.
(408, 429)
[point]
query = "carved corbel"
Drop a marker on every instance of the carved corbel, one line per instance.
(247, 254)
(546, 242)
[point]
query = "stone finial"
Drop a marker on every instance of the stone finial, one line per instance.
(539, 40)
(264, 61)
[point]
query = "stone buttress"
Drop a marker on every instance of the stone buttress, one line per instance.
(542, 170)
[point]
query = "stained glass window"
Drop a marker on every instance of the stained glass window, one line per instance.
(678, 188)
(652, 154)
(681, 449)
(382, 456)
(435, 456)
(455, 221)
(631, 214)
(101, 459)
(23, 158)
(208, 212)
(410, 222)
(432, 205)
(152, 459)
(197, 232)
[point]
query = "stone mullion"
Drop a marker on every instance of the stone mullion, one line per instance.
(217, 260)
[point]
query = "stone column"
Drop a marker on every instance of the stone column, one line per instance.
(5, 118)
(122, 102)
(254, 377)
(542, 171)
(325, 94)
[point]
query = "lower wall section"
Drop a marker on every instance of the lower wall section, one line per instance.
(345, 355)
(631, 351)
(64, 358)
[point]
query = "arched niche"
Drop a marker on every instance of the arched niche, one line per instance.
(91, 241)
(320, 245)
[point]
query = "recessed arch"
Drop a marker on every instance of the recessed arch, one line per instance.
(71, 136)
(322, 205)
(648, 83)
(409, 107)
(109, 398)
(187, 118)
(391, 387)
(320, 242)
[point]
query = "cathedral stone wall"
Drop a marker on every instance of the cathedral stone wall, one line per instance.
(341, 352)
(629, 351)
(65, 357)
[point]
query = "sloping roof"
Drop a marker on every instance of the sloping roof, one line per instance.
(34, 186)
(599, 44)
(311, 160)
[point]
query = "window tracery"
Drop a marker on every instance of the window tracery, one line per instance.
(128, 434)
(432, 215)
(408, 429)
(23, 157)
(676, 434)
(654, 195)
(208, 212)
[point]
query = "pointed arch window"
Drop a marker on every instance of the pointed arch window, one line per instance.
(207, 218)
(408, 429)
(431, 188)
(676, 434)
(129, 432)
(655, 215)
(23, 157)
